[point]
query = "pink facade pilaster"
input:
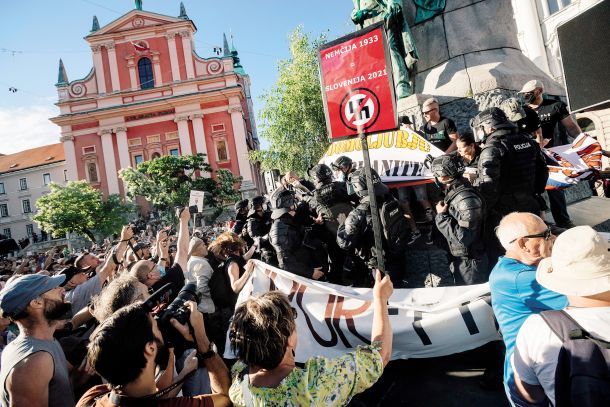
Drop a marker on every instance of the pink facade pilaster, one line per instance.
(199, 133)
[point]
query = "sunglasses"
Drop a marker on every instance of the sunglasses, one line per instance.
(546, 235)
(429, 111)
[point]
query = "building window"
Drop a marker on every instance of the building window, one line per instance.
(2, 191)
(92, 172)
(145, 72)
(3, 210)
(155, 155)
(46, 178)
(221, 150)
(7, 232)
(138, 159)
(175, 152)
(23, 184)
(29, 230)
(65, 175)
(26, 206)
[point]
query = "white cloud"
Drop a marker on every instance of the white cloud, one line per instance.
(27, 127)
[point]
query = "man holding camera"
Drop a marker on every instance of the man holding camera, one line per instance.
(129, 366)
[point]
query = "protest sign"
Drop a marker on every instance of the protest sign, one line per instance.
(397, 156)
(574, 162)
(197, 199)
(333, 319)
(357, 87)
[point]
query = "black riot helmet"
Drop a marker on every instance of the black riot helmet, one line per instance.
(258, 202)
(283, 201)
(490, 118)
(321, 174)
(531, 122)
(342, 162)
(357, 179)
(448, 165)
(243, 204)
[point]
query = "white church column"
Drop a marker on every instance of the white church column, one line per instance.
(188, 54)
(121, 141)
(98, 65)
(114, 67)
(199, 134)
(112, 178)
(239, 135)
(183, 135)
(173, 56)
(70, 154)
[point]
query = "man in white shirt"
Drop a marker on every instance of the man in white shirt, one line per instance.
(579, 268)
(199, 271)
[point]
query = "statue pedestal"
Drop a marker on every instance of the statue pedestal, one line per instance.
(469, 59)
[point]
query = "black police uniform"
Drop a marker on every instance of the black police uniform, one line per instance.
(258, 228)
(462, 226)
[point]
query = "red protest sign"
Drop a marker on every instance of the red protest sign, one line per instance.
(357, 86)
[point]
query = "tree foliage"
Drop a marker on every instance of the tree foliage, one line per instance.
(292, 118)
(167, 181)
(79, 208)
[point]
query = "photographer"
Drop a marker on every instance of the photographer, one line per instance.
(159, 274)
(129, 366)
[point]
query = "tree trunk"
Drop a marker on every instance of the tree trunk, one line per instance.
(89, 234)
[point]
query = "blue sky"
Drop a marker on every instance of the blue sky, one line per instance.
(34, 34)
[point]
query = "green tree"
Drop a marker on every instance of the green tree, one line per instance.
(292, 118)
(167, 181)
(79, 208)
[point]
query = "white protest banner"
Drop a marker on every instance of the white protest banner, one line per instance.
(333, 320)
(575, 162)
(196, 199)
(397, 156)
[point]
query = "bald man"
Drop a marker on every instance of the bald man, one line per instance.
(515, 293)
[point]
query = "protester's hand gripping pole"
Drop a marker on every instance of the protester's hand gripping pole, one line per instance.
(373, 202)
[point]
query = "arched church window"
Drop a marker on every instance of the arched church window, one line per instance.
(145, 72)
(155, 155)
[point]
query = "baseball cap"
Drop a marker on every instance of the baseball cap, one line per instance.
(579, 264)
(16, 295)
(531, 85)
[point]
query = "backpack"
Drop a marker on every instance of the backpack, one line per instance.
(582, 377)
(395, 226)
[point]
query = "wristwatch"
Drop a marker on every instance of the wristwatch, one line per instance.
(210, 353)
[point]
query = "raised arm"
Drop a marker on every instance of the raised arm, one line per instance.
(382, 330)
(117, 254)
(183, 238)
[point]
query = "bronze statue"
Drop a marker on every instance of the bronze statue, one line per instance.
(138, 4)
(400, 40)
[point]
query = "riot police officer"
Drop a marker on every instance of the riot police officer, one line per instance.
(356, 233)
(258, 226)
(511, 172)
(241, 216)
(330, 199)
(288, 239)
(459, 219)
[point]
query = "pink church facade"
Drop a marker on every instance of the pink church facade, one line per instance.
(149, 94)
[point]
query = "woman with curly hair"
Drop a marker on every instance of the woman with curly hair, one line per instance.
(227, 282)
(263, 336)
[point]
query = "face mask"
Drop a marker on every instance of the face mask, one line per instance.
(162, 271)
(529, 97)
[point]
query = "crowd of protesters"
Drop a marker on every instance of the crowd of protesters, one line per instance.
(143, 319)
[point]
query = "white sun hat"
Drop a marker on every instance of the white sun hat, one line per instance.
(579, 264)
